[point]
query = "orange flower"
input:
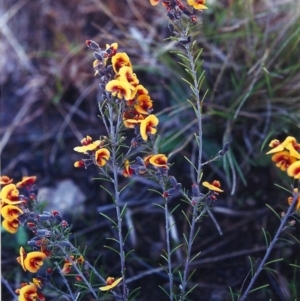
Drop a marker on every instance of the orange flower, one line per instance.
(127, 172)
(144, 104)
(80, 260)
(290, 200)
(87, 147)
(139, 90)
(110, 283)
(159, 160)
(283, 160)
(120, 60)
(31, 261)
(11, 226)
(214, 186)
(111, 49)
(119, 88)
(21, 258)
(79, 163)
(127, 73)
(102, 156)
(26, 181)
(289, 144)
(197, 4)
(154, 2)
(294, 170)
(10, 195)
(66, 268)
(11, 212)
(148, 126)
(28, 292)
(131, 117)
(4, 180)
(86, 140)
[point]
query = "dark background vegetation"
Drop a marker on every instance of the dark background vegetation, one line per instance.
(49, 102)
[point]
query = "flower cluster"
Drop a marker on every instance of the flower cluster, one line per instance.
(98, 154)
(286, 155)
(175, 8)
(69, 262)
(12, 203)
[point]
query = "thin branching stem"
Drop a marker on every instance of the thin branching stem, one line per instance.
(195, 218)
(271, 246)
(170, 273)
(114, 130)
(74, 264)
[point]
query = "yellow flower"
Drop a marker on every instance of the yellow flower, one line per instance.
(120, 60)
(110, 283)
(11, 212)
(119, 88)
(102, 156)
(28, 293)
(139, 90)
(127, 73)
(21, 258)
(144, 104)
(289, 144)
(32, 261)
(154, 2)
(148, 126)
(11, 226)
(290, 200)
(26, 181)
(10, 195)
(127, 171)
(214, 186)
(159, 160)
(111, 49)
(294, 170)
(4, 180)
(283, 160)
(197, 4)
(88, 147)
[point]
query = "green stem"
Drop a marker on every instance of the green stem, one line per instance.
(271, 246)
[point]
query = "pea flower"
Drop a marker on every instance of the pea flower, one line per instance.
(110, 283)
(159, 160)
(283, 160)
(11, 212)
(128, 171)
(28, 292)
(26, 181)
(87, 147)
(144, 104)
(10, 195)
(154, 2)
(4, 180)
(148, 126)
(102, 156)
(197, 4)
(11, 226)
(31, 261)
(119, 88)
(214, 186)
(127, 73)
(290, 200)
(289, 144)
(120, 60)
(294, 170)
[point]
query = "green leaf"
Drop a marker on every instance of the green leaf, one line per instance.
(107, 217)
